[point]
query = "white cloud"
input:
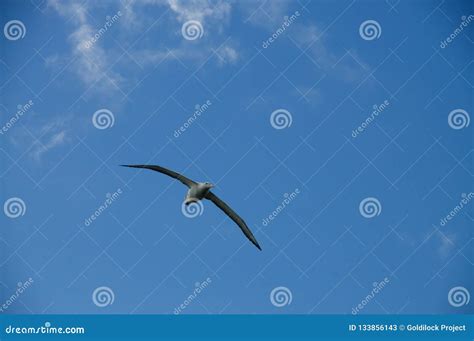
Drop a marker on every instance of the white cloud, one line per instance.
(306, 33)
(217, 10)
(92, 63)
(52, 134)
(266, 14)
(55, 140)
(446, 244)
(213, 15)
(37, 135)
(227, 55)
(350, 68)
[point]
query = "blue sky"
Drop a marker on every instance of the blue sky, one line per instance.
(130, 65)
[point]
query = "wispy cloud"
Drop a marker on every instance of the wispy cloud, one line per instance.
(37, 135)
(227, 55)
(50, 135)
(347, 65)
(55, 140)
(265, 14)
(307, 35)
(91, 63)
(446, 244)
(214, 17)
(217, 10)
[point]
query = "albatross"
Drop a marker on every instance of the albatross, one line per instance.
(202, 190)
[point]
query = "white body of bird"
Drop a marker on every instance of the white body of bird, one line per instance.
(197, 192)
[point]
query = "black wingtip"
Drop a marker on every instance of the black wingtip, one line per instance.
(258, 246)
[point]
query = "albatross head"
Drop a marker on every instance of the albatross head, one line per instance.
(208, 185)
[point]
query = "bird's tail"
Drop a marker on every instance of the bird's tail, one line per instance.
(188, 201)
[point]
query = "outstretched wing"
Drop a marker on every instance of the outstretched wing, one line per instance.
(234, 216)
(177, 176)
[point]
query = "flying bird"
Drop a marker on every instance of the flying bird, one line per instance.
(201, 190)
